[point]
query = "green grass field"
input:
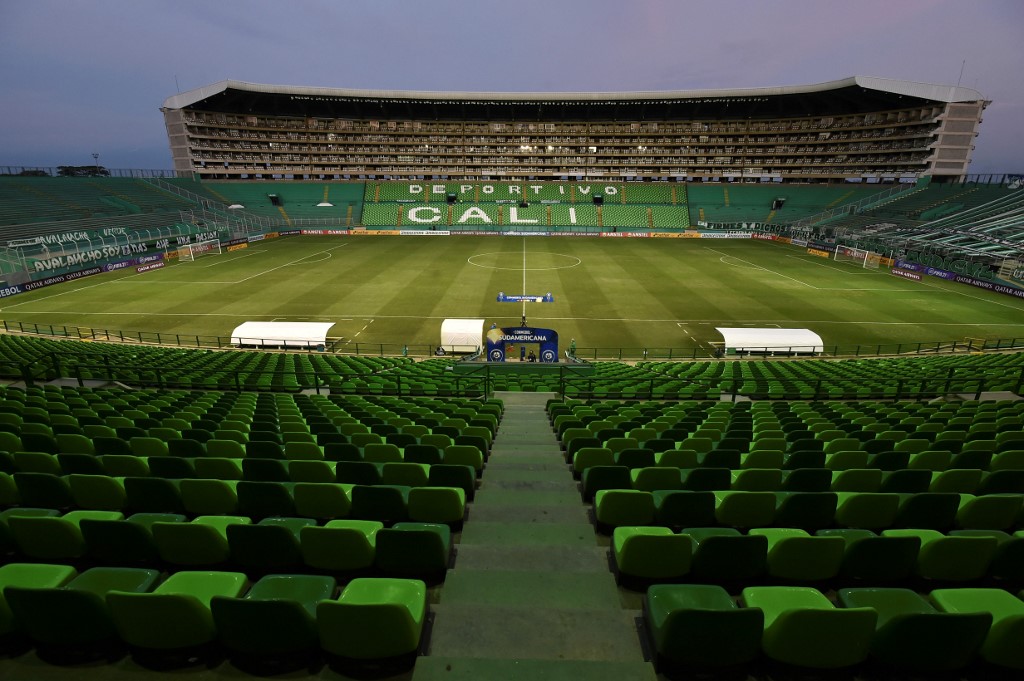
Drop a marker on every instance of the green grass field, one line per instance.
(609, 293)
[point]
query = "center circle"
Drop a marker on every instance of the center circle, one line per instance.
(501, 260)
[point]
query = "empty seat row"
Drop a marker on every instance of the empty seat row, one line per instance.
(202, 496)
(54, 606)
(220, 468)
(587, 452)
(462, 447)
(644, 554)
(702, 626)
(808, 510)
(906, 480)
(169, 540)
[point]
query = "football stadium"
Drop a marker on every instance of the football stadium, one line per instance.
(486, 385)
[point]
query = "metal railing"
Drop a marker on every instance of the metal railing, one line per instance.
(347, 347)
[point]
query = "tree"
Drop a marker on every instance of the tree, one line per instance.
(82, 171)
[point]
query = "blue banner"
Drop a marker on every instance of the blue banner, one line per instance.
(517, 343)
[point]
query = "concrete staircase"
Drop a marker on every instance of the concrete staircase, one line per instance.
(531, 595)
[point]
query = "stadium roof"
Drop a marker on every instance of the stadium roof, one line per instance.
(850, 95)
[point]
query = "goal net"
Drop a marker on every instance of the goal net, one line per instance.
(190, 252)
(858, 256)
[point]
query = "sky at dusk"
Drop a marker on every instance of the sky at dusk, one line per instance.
(79, 77)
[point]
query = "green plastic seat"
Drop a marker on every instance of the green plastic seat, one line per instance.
(449, 475)
(374, 619)
(276, 617)
(176, 614)
(43, 490)
(52, 537)
(1002, 645)
(265, 499)
(950, 558)
(806, 510)
(124, 465)
(651, 553)
(912, 635)
(803, 628)
(651, 478)
(1008, 562)
(684, 508)
(307, 451)
(125, 542)
(201, 542)
(76, 613)
(874, 559)
(409, 549)
(381, 452)
(757, 479)
(989, 512)
(956, 480)
(795, 555)
(445, 505)
(32, 576)
(218, 468)
(744, 509)
(698, 625)
(360, 472)
(857, 480)
(340, 545)
(597, 478)
(623, 507)
(97, 492)
(153, 495)
(270, 545)
(722, 554)
(387, 503)
(464, 455)
(408, 474)
(209, 497)
(321, 500)
(225, 448)
(866, 510)
(927, 510)
(307, 470)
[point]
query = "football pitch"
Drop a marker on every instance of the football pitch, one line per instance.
(608, 293)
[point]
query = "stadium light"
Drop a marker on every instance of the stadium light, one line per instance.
(96, 163)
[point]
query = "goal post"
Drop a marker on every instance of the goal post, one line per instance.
(858, 256)
(190, 252)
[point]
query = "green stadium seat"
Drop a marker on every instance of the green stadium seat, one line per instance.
(699, 626)
(874, 559)
(276, 617)
(803, 628)
(75, 614)
(651, 553)
(272, 545)
(911, 635)
(340, 545)
(175, 615)
(374, 619)
(202, 542)
(950, 558)
(32, 576)
(1002, 644)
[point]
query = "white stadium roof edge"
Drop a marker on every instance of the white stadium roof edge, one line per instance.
(930, 91)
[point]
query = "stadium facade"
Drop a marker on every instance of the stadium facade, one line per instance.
(855, 129)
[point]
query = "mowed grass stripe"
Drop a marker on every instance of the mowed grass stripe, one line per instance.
(625, 292)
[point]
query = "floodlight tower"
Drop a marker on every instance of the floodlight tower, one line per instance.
(96, 163)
